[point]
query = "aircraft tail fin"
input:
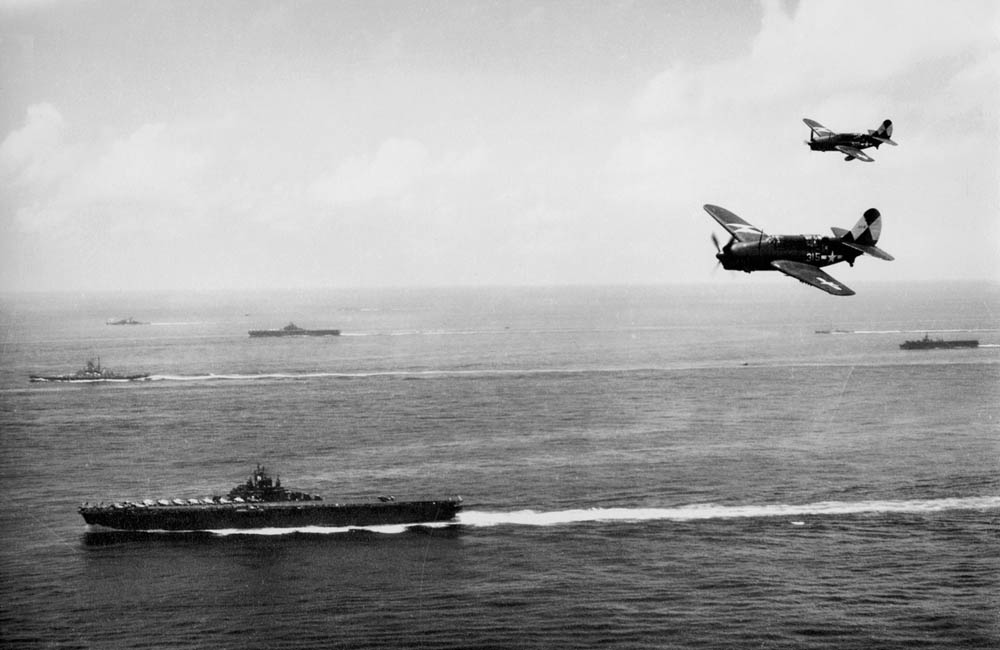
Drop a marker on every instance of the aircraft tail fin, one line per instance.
(866, 231)
(883, 134)
(864, 235)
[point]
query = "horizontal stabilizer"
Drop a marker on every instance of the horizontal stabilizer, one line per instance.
(874, 251)
(884, 140)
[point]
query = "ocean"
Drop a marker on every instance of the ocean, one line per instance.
(735, 465)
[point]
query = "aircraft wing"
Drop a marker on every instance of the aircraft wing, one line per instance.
(812, 275)
(817, 128)
(739, 229)
(851, 152)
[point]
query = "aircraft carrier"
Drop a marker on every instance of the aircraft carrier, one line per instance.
(294, 330)
(927, 343)
(261, 502)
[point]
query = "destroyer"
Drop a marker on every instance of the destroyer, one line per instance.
(294, 330)
(262, 502)
(927, 343)
(92, 372)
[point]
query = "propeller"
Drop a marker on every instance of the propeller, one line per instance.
(719, 253)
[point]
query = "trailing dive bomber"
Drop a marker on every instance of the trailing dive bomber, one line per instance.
(849, 144)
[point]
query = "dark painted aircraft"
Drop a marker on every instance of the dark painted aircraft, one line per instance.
(799, 256)
(849, 144)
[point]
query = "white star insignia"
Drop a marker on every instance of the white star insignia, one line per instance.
(741, 228)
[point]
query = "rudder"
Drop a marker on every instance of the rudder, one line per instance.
(882, 135)
(867, 230)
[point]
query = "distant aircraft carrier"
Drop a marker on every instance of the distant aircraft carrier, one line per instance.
(294, 330)
(928, 343)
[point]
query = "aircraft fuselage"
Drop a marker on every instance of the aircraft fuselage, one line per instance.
(831, 142)
(758, 255)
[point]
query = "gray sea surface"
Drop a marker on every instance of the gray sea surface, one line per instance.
(642, 467)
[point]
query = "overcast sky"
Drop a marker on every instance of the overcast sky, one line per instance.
(236, 144)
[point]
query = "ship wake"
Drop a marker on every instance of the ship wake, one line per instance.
(794, 514)
(712, 511)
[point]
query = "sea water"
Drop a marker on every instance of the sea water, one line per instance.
(661, 467)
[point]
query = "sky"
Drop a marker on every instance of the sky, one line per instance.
(241, 144)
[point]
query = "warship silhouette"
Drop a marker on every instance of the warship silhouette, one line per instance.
(262, 502)
(294, 330)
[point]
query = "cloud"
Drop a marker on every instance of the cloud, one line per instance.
(397, 167)
(206, 175)
(390, 171)
(152, 164)
(28, 154)
(155, 170)
(831, 46)
(822, 49)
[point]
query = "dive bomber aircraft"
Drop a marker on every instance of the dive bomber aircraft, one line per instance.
(849, 144)
(799, 256)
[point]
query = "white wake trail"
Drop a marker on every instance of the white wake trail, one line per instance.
(486, 519)
(711, 511)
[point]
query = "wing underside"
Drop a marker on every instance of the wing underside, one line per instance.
(812, 275)
(738, 228)
(851, 152)
(817, 128)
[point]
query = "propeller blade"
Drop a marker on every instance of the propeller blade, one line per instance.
(715, 240)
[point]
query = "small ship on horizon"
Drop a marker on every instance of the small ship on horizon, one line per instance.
(262, 502)
(294, 330)
(124, 321)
